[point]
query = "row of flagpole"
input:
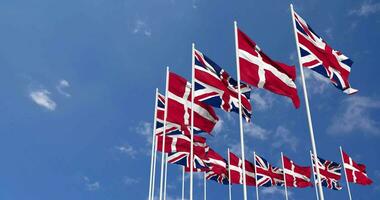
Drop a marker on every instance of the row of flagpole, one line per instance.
(163, 173)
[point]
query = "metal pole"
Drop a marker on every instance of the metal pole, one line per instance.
(192, 121)
(183, 183)
(204, 186)
(345, 174)
(257, 185)
(229, 175)
(166, 175)
(240, 111)
(315, 182)
(283, 168)
(314, 148)
(164, 134)
(153, 159)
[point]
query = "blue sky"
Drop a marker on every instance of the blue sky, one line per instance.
(78, 80)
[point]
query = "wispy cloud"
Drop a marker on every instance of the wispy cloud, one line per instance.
(141, 27)
(145, 129)
(130, 180)
(91, 186)
(272, 191)
(255, 131)
(366, 8)
(262, 101)
(219, 126)
(61, 86)
(283, 137)
(127, 149)
(355, 114)
(41, 97)
(316, 83)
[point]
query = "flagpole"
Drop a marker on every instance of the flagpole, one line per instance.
(257, 185)
(315, 182)
(164, 134)
(154, 167)
(229, 175)
(166, 175)
(204, 186)
(283, 168)
(192, 121)
(152, 159)
(345, 173)
(240, 111)
(183, 183)
(314, 148)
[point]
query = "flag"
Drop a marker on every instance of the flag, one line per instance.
(317, 55)
(355, 172)
(268, 175)
(236, 171)
(258, 70)
(183, 158)
(171, 128)
(179, 107)
(215, 87)
(217, 170)
(329, 172)
(180, 143)
(295, 175)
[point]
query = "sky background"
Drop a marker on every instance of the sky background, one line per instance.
(77, 88)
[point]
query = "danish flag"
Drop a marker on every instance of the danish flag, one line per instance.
(179, 107)
(268, 175)
(356, 173)
(171, 128)
(317, 55)
(295, 175)
(214, 86)
(181, 143)
(236, 171)
(258, 70)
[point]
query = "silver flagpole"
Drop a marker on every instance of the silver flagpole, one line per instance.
(183, 183)
(166, 175)
(229, 175)
(345, 174)
(257, 185)
(283, 168)
(152, 159)
(314, 147)
(192, 122)
(315, 182)
(164, 134)
(154, 168)
(204, 186)
(240, 111)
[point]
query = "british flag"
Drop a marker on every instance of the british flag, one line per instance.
(217, 170)
(266, 174)
(317, 55)
(221, 178)
(330, 173)
(183, 158)
(215, 87)
(179, 107)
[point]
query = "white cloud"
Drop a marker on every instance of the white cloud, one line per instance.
(328, 33)
(355, 114)
(283, 137)
(255, 131)
(270, 191)
(61, 86)
(145, 129)
(367, 8)
(91, 186)
(218, 126)
(315, 82)
(141, 27)
(262, 101)
(127, 149)
(41, 98)
(130, 181)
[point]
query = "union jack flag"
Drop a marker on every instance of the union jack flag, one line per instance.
(317, 55)
(330, 173)
(215, 87)
(266, 174)
(217, 167)
(183, 158)
(221, 178)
